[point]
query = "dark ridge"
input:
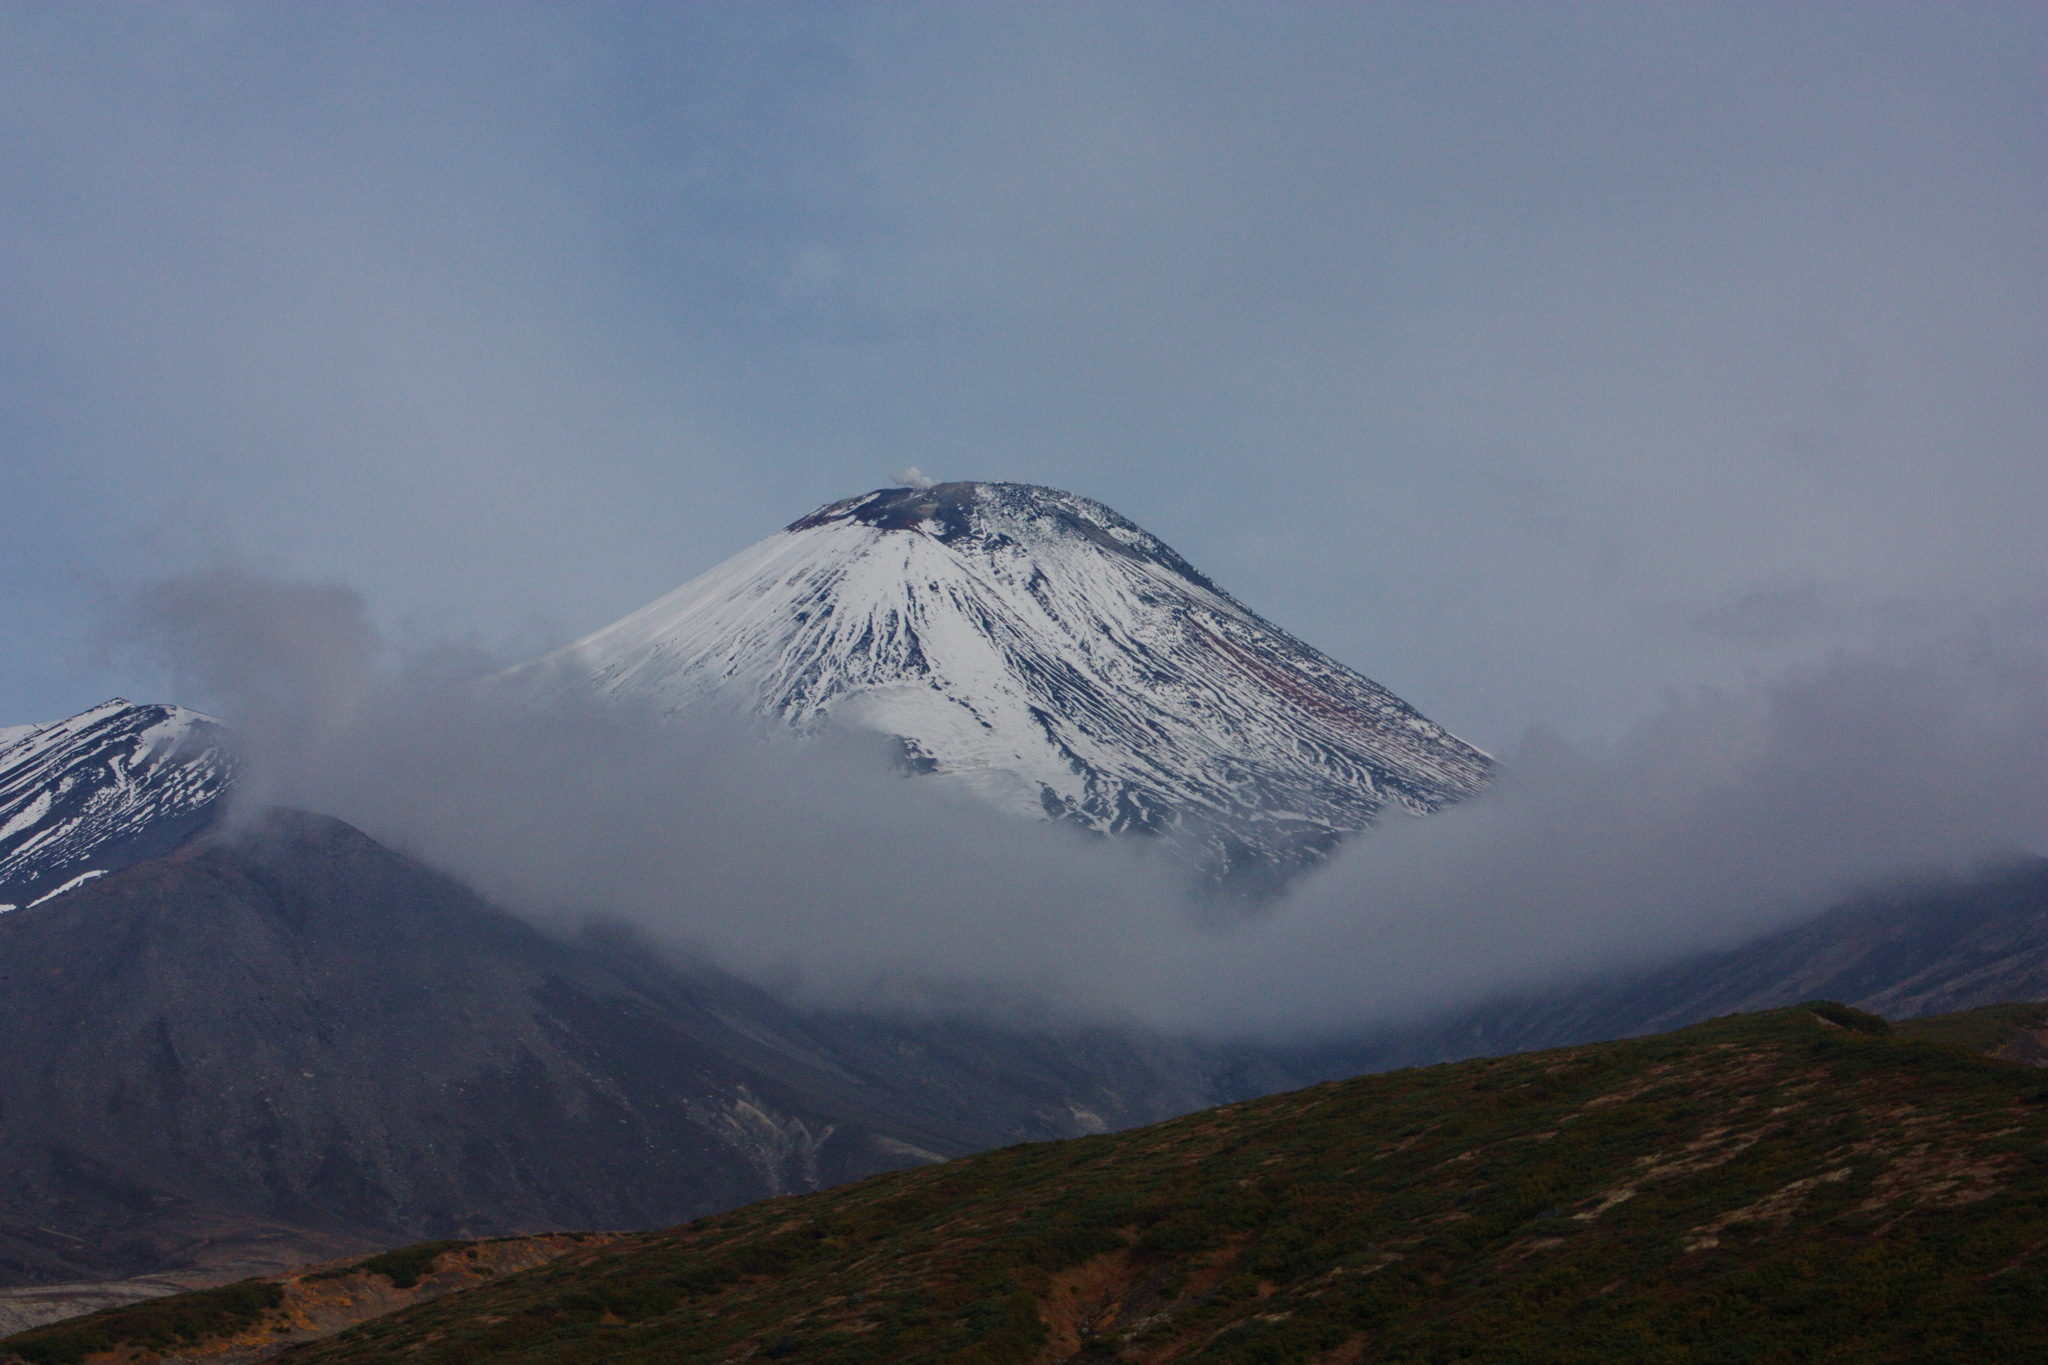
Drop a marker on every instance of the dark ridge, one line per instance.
(951, 508)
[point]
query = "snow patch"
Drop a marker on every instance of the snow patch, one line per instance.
(80, 880)
(9, 734)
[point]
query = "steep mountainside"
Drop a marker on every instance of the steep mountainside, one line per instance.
(102, 790)
(1927, 949)
(1051, 655)
(1793, 1186)
(283, 1045)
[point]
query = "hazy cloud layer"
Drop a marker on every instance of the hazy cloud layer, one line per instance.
(811, 868)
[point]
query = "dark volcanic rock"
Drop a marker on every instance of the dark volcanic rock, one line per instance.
(299, 1033)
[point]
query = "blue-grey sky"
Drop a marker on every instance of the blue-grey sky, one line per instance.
(1536, 359)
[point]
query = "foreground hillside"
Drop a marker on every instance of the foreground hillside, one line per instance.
(1802, 1185)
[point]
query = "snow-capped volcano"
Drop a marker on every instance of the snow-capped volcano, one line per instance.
(1050, 654)
(102, 790)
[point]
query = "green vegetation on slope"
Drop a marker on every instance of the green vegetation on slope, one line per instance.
(1980, 1030)
(160, 1325)
(1779, 1187)
(1804, 1185)
(404, 1266)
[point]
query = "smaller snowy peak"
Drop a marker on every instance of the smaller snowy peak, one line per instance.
(104, 789)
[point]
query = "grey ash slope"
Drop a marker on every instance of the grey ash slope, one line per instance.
(103, 790)
(297, 1041)
(1937, 947)
(1051, 655)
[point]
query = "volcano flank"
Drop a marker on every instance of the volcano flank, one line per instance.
(1052, 656)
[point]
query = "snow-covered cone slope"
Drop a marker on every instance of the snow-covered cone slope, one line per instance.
(1053, 655)
(103, 790)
